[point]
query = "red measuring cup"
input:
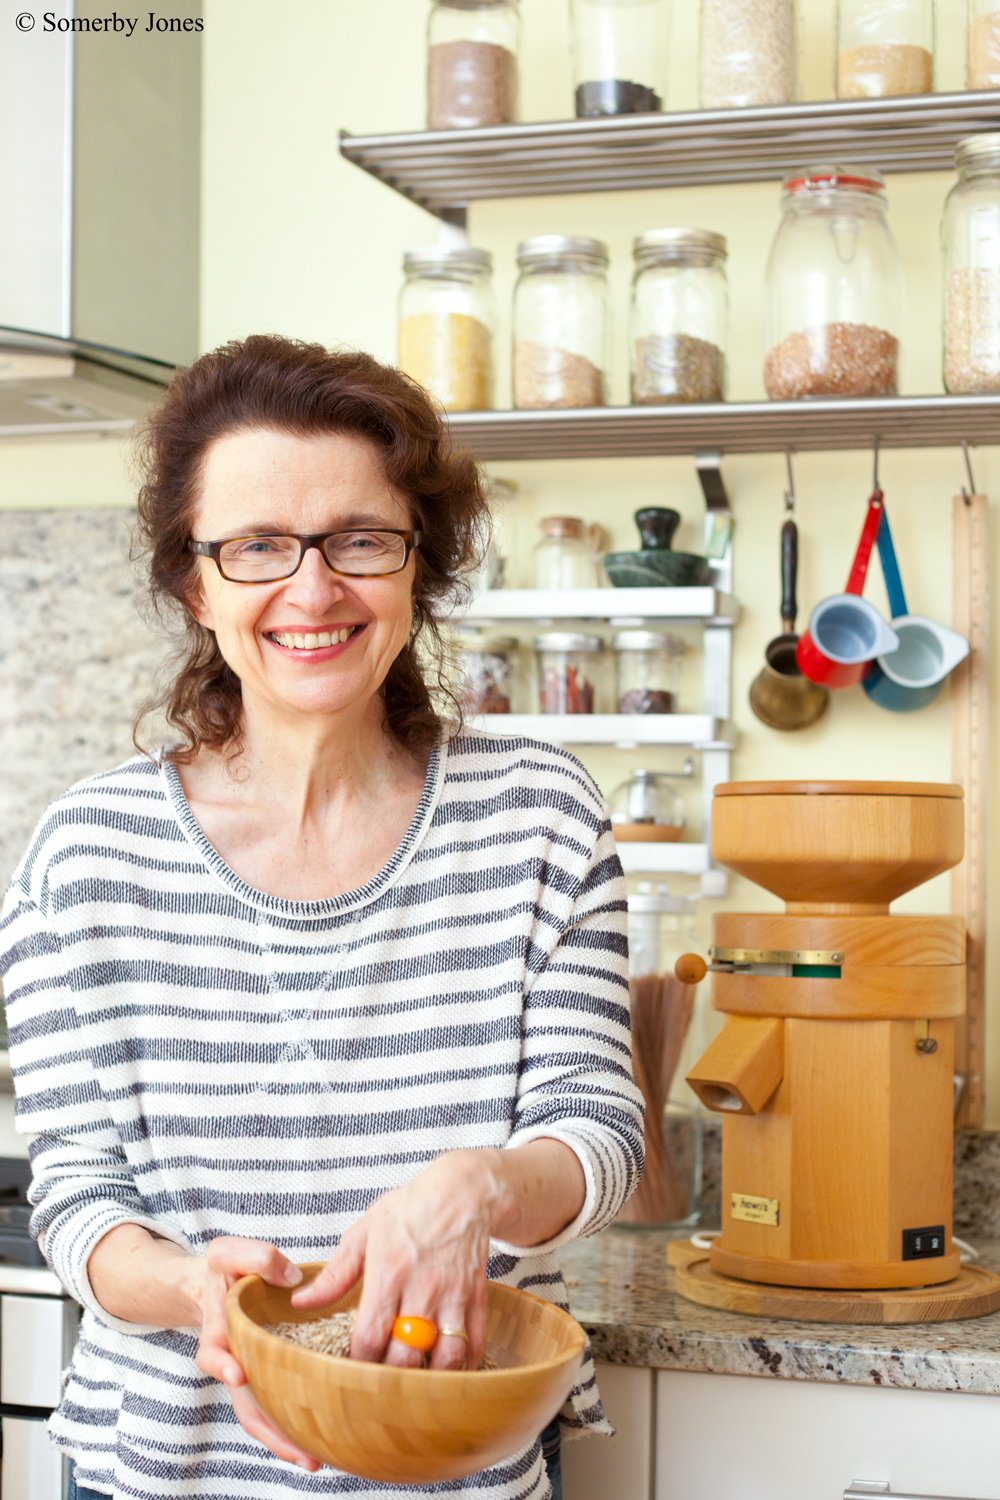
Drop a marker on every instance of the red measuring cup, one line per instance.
(845, 631)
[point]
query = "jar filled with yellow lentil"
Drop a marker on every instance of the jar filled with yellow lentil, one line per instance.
(447, 320)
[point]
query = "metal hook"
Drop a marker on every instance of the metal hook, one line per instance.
(790, 492)
(967, 494)
(875, 483)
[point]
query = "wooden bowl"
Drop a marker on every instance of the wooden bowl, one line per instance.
(406, 1426)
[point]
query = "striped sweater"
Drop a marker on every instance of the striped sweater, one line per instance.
(198, 1057)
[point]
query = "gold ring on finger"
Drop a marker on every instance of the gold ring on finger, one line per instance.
(453, 1333)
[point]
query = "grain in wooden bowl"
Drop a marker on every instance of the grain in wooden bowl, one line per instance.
(399, 1425)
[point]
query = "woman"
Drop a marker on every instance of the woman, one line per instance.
(319, 980)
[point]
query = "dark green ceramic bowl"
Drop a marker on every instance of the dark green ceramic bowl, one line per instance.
(657, 569)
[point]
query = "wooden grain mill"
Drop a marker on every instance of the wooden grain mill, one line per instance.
(834, 1070)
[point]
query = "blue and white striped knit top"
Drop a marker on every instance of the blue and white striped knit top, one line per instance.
(203, 1059)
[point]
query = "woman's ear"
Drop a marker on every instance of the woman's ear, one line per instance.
(194, 599)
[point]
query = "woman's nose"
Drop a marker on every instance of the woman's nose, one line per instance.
(314, 587)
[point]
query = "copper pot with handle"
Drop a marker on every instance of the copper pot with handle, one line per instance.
(780, 695)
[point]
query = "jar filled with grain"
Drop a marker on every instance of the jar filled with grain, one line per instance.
(970, 234)
(679, 311)
(884, 47)
(647, 666)
(562, 322)
(984, 44)
(620, 50)
(567, 671)
(472, 63)
(447, 319)
(834, 289)
(748, 53)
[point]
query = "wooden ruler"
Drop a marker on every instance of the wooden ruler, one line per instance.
(970, 767)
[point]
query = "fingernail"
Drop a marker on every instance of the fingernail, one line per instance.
(230, 1375)
(292, 1276)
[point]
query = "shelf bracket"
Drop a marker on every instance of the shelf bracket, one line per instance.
(708, 462)
(718, 516)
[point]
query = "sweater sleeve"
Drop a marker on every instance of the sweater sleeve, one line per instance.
(576, 1081)
(82, 1184)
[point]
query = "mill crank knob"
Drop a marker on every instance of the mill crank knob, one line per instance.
(690, 968)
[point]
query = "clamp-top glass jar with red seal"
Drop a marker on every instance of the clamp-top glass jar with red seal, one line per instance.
(834, 289)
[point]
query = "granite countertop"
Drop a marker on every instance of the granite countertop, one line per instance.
(623, 1292)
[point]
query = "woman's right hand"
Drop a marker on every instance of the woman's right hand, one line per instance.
(228, 1259)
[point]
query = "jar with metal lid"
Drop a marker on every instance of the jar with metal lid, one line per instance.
(562, 322)
(970, 235)
(679, 312)
(984, 44)
(648, 671)
(564, 558)
(447, 319)
(620, 50)
(884, 47)
(487, 665)
(834, 289)
(646, 809)
(748, 53)
(567, 671)
(472, 63)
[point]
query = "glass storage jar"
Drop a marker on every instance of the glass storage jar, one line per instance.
(472, 69)
(647, 664)
(748, 53)
(833, 289)
(647, 809)
(487, 667)
(970, 234)
(884, 47)
(562, 322)
(984, 44)
(565, 558)
(567, 671)
(492, 571)
(447, 319)
(679, 311)
(620, 56)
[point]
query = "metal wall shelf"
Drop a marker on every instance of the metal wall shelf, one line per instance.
(731, 427)
(445, 170)
(699, 606)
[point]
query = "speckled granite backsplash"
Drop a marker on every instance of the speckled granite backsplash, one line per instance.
(76, 660)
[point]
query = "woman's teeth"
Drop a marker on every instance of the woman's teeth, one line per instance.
(313, 642)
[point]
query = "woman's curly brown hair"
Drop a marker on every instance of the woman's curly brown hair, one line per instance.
(270, 382)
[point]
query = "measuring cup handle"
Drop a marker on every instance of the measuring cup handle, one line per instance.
(890, 569)
(789, 575)
(859, 568)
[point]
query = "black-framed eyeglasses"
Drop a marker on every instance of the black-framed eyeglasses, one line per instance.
(352, 554)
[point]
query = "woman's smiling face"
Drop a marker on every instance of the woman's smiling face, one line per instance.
(266, 481)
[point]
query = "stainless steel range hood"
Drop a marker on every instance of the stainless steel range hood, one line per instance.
(51, 386)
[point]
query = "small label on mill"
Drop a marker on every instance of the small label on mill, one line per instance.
(754, 1210)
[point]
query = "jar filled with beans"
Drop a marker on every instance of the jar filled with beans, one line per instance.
(472, 63)
(679, 311)
(447, 319)
(984, 44)
(884, 47)
(971, 240)
(834, 289)
(567, 671)
(647, 666)
(562, 322)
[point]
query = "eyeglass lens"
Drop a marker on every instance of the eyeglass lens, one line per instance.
(260, 559)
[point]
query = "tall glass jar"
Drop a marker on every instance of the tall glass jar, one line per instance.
(562, 322)
(984, 44)
(884, 47)
(679, 310)
(834, 289)
(970, 234)
(748, 53)
(620, 52)
(567, 671)
(472, 68)
(447, 318)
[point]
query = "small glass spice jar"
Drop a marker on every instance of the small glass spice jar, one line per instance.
(562, 322)
(487, 665)
(567, 671)
(564, 558)
(472, 63)
(492, 571)
(620, 50)
(647, 809)
(984, 44)
(679, 312)
(647, 664)
(748, 53)
(884, 47)
(447, 319)
(834, 289)
(970, 234)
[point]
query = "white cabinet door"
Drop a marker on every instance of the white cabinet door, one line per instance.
(734, 1437)
(32, 1466)
(31, 1350)
(618, 1468)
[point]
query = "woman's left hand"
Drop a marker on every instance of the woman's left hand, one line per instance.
(423, 1248)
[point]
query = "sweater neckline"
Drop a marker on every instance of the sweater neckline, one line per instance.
(332, 905)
